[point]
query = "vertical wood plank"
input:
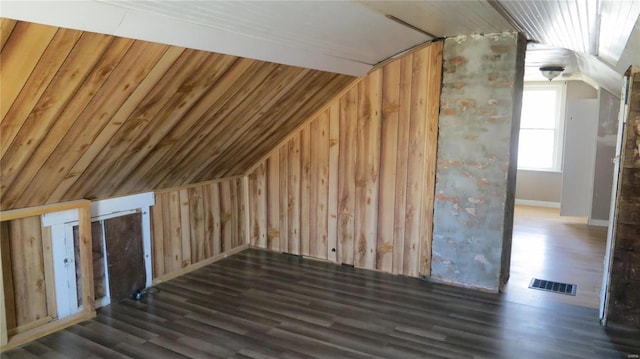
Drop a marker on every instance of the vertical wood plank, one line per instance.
(305, 189)
(235, 214)
(207, 217)
(49, 279)
(27, 269)
(258, 208)
(253, 207)
(173, 241)
(216, 217)
(157, 243)
(284, 197)
(402, 158)
(196, 224)
(86, 260)
(207, 221)
(185, 232)
(4, 324)
(430, 157)
(415, 170)
(8, 296)
(367, 169)
(319, 186)
(314, 183)
(334, 153)
(293, 205)
(272, 203)
(346, 176)
(226, 225)
(388, 153)
(243, 184)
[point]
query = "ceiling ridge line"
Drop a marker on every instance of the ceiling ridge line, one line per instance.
(495, 4)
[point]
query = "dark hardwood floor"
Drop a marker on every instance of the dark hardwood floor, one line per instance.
(258, 304)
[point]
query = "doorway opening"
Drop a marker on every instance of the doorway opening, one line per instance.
(118, 258)
(557, 234)
(558, 248)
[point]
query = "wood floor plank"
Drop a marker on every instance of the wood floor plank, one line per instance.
(147, 351)
(184, 349)
(261, 304)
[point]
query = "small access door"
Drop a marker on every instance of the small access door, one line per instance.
(125, 257)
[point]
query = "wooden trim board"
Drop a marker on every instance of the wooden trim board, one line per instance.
(39, 210)
(46, 329)
(27, 327)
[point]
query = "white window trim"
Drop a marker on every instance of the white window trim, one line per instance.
(560, 122)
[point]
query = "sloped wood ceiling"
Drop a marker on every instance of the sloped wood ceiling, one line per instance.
(87, 115)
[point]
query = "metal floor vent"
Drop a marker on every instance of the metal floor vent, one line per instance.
(556, 287)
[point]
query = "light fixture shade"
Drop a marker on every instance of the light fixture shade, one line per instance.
(551, 72)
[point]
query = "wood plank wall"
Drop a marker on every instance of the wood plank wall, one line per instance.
(192, 224)
(356, 184)
(93, 116)
(27, 271)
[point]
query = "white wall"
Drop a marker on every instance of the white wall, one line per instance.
(539, 186)
(547, 186)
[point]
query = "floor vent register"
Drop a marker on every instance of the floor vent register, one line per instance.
(555, 287)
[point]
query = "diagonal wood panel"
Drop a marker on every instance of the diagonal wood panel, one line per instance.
(86, 115)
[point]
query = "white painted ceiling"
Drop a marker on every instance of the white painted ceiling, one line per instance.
(595, 39)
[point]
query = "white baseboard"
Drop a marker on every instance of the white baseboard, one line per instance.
(598, 222)
(528, 202)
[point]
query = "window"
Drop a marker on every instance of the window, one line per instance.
(541, 124)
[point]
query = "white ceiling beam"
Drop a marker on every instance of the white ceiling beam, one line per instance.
(108, 19)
